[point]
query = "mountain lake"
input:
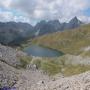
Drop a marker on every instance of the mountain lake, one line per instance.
(40, 51)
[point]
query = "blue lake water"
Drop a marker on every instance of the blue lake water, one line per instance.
(40, 51)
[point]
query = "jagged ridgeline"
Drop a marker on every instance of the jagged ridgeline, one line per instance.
(12, 33)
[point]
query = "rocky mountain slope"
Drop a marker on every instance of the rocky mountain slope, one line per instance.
(78, 82)
(36, 79)
(9, 62)
(8, 75)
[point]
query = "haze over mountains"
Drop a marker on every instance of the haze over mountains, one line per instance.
(15, 33)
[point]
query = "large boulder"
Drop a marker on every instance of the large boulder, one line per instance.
(10, 56)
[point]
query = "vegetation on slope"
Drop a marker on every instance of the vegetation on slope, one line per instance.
(24, 60)
(69, 41)
(53, 66)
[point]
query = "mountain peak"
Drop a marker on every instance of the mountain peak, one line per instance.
(75, 20)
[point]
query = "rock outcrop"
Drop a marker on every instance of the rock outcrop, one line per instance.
(8, 75)
(78, 82)
(10, 56)
(9, 59)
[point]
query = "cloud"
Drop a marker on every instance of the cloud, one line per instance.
(85, 19)
(51, 9)
(6, 16)
(36, 10)
(5, 3)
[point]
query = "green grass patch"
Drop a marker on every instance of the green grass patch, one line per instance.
(50, 67)
(85, 54)
(25, 60)
(53, 66)
(73, 70)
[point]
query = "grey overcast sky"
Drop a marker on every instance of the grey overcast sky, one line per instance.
(33, 11)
